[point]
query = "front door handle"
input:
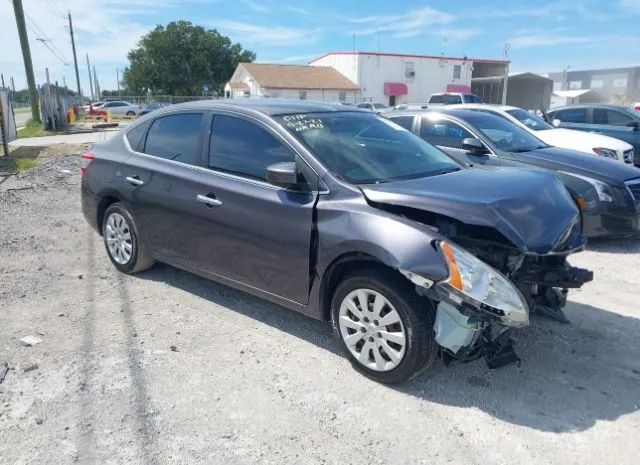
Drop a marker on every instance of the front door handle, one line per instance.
(208, 200)
(135, 180)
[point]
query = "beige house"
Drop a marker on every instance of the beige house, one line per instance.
(320, 83)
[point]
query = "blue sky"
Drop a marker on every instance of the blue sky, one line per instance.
(543, 36)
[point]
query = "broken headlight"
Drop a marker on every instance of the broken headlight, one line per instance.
(476, 283)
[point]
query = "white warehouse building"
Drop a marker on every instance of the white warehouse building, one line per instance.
(392, 78)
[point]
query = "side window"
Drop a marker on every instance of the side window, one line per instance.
(241, 147)
(135, 135)
(612, 117)
(573, 115)
(404, 121)
(176, 137)
(443, 132)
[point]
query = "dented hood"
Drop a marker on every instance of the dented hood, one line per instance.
(530, 208)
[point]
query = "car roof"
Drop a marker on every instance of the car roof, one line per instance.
(487, 106)
(451, 110)
(267, 106)
(591, 105)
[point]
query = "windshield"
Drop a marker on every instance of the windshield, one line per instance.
(364, 148)
(505, 135)
(379, 105)
(530, 120)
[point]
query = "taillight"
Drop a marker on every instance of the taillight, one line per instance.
(87, 158)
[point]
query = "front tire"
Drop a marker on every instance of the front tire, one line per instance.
(122, 241)
(131, 113)
(384, 327)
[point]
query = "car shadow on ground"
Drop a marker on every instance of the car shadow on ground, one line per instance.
(571, 376)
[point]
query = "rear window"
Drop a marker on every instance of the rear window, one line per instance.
(176, 137)
(436, 99)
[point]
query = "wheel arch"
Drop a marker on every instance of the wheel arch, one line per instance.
(105, 202)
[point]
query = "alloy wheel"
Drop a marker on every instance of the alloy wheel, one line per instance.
(372, 330)
(117, 234)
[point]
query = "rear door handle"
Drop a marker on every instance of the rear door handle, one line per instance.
(209, 200)
(135, 180)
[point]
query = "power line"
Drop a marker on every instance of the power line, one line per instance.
(54, 9)
(40, 37)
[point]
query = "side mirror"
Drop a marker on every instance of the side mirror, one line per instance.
(634, 124)
(473, 145)
(556, 123)
(283, 174)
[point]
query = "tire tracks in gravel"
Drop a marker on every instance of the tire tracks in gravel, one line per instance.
(147, 431)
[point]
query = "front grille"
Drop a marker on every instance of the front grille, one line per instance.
(634, 188)
(627, 156)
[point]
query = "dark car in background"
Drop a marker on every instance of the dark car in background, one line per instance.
(606, 192)
(611, 120)
(152, 107)
(342, 215)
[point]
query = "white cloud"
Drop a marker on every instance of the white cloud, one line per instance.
(295, 9)
(409, 24)
(253, 34)
(303, 59)
(546, 40)
(630, 6)
(106, 30)
(255, 6)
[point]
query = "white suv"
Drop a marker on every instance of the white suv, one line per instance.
(587, 142)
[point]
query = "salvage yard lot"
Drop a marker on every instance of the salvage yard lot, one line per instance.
(166, 367)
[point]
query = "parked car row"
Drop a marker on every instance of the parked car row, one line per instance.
(434, 241)
(607, 193)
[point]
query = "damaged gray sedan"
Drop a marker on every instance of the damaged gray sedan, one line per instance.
(344, 216)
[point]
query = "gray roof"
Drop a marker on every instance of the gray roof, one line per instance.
(269, 106)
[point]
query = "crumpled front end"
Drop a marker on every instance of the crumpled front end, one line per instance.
(493, 287)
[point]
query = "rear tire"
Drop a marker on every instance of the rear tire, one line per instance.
(131, 113)
(393, 352)
(121, 240)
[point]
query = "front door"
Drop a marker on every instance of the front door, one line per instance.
(244, 228)
(392, 100)
(448, 136)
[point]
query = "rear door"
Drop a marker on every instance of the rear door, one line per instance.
(448, 136)
(158, 177)
(240, 226)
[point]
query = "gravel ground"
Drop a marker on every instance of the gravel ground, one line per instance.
(166, 367)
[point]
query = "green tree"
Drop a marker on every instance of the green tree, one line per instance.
(179, 58)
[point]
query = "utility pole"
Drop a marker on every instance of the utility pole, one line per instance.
(95, 83)
(64, 83)
(13, 86)
(26, 56)
(75, 59)
(2, 80)
(118, 81)
(90, 79)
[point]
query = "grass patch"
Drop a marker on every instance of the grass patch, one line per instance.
(22, 164)
(33, 129)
